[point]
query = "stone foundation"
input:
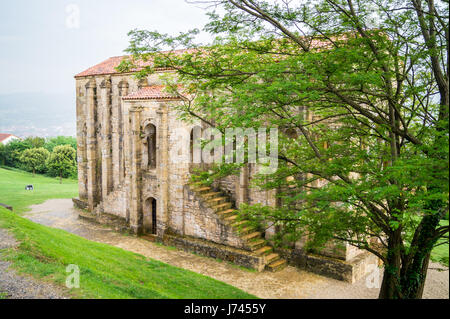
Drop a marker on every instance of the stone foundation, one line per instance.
(206, 248)
(115, 222)
(78, 203)
(349, 271)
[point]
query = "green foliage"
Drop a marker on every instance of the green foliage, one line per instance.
(34, 159)
(11, 152)
(62, 161)
(364, 86)
(35, 141)
(51, 143)
(2, 154)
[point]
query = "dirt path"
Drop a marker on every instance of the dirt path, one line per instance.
(14, 286)
(288, 283)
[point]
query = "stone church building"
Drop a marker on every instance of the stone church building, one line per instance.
(126, 178)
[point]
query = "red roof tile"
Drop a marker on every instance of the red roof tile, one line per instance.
(154, 92)
(109, 66)
(105, 67)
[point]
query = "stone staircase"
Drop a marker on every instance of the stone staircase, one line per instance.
(253, 238)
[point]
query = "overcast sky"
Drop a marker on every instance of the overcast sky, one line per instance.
(43, 45)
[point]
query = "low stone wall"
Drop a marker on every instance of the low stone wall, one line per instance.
(116, 222)
(78, 203)
(206, 248)
(349, 271)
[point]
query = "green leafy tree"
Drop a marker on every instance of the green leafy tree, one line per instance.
(3, 154)
(12, 151)
(52, 142)
(359, 90)
(35, 141)
(34, 159)
(62, 161)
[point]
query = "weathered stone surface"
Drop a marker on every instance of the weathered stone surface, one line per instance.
(350, 271)
(128, 178)
(206, 248)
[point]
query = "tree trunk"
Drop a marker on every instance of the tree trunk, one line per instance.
(390, 286)
(60, 178)
(34, 172)
(413, 278)
(408, 281)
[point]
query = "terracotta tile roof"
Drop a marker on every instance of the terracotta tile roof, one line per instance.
(153, 92)
(106, 67)
(109, 66)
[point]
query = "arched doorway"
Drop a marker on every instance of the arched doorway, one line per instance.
(150, 217)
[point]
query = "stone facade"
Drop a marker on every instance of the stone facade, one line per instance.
(125, 136)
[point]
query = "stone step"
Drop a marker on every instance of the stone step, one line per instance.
(251, 235)
(277, 265)
(222, 206)
(226, 212)
(149, 237)
(246, 230)
(88, 217)
(211, 194)
(264, 250)
(271, 258)
(203, 189)
(256, 244)
(230, 219)
(239, 223)
(217, 200)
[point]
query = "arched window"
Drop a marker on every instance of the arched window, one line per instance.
(150, 133)
(195, 150)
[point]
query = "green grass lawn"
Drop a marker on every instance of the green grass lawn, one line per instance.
(440, 253)
(105, 271)
(13, 193)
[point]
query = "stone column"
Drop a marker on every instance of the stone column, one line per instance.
(81, 143)
(115, 101)
(163, 170)
(123, 91)
(135, 202)
(91, 141)
(106, 141)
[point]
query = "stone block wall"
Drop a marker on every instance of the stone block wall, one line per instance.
(202, 222)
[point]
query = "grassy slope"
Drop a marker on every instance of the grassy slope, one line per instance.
(106, 272)
(13, 193)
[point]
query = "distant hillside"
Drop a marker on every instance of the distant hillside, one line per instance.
(38, 114)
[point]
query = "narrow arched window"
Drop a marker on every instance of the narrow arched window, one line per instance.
(194, 145)
(150, 132)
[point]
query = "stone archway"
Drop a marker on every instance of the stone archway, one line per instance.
(150, 216)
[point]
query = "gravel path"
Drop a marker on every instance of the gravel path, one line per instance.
(15, 286)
